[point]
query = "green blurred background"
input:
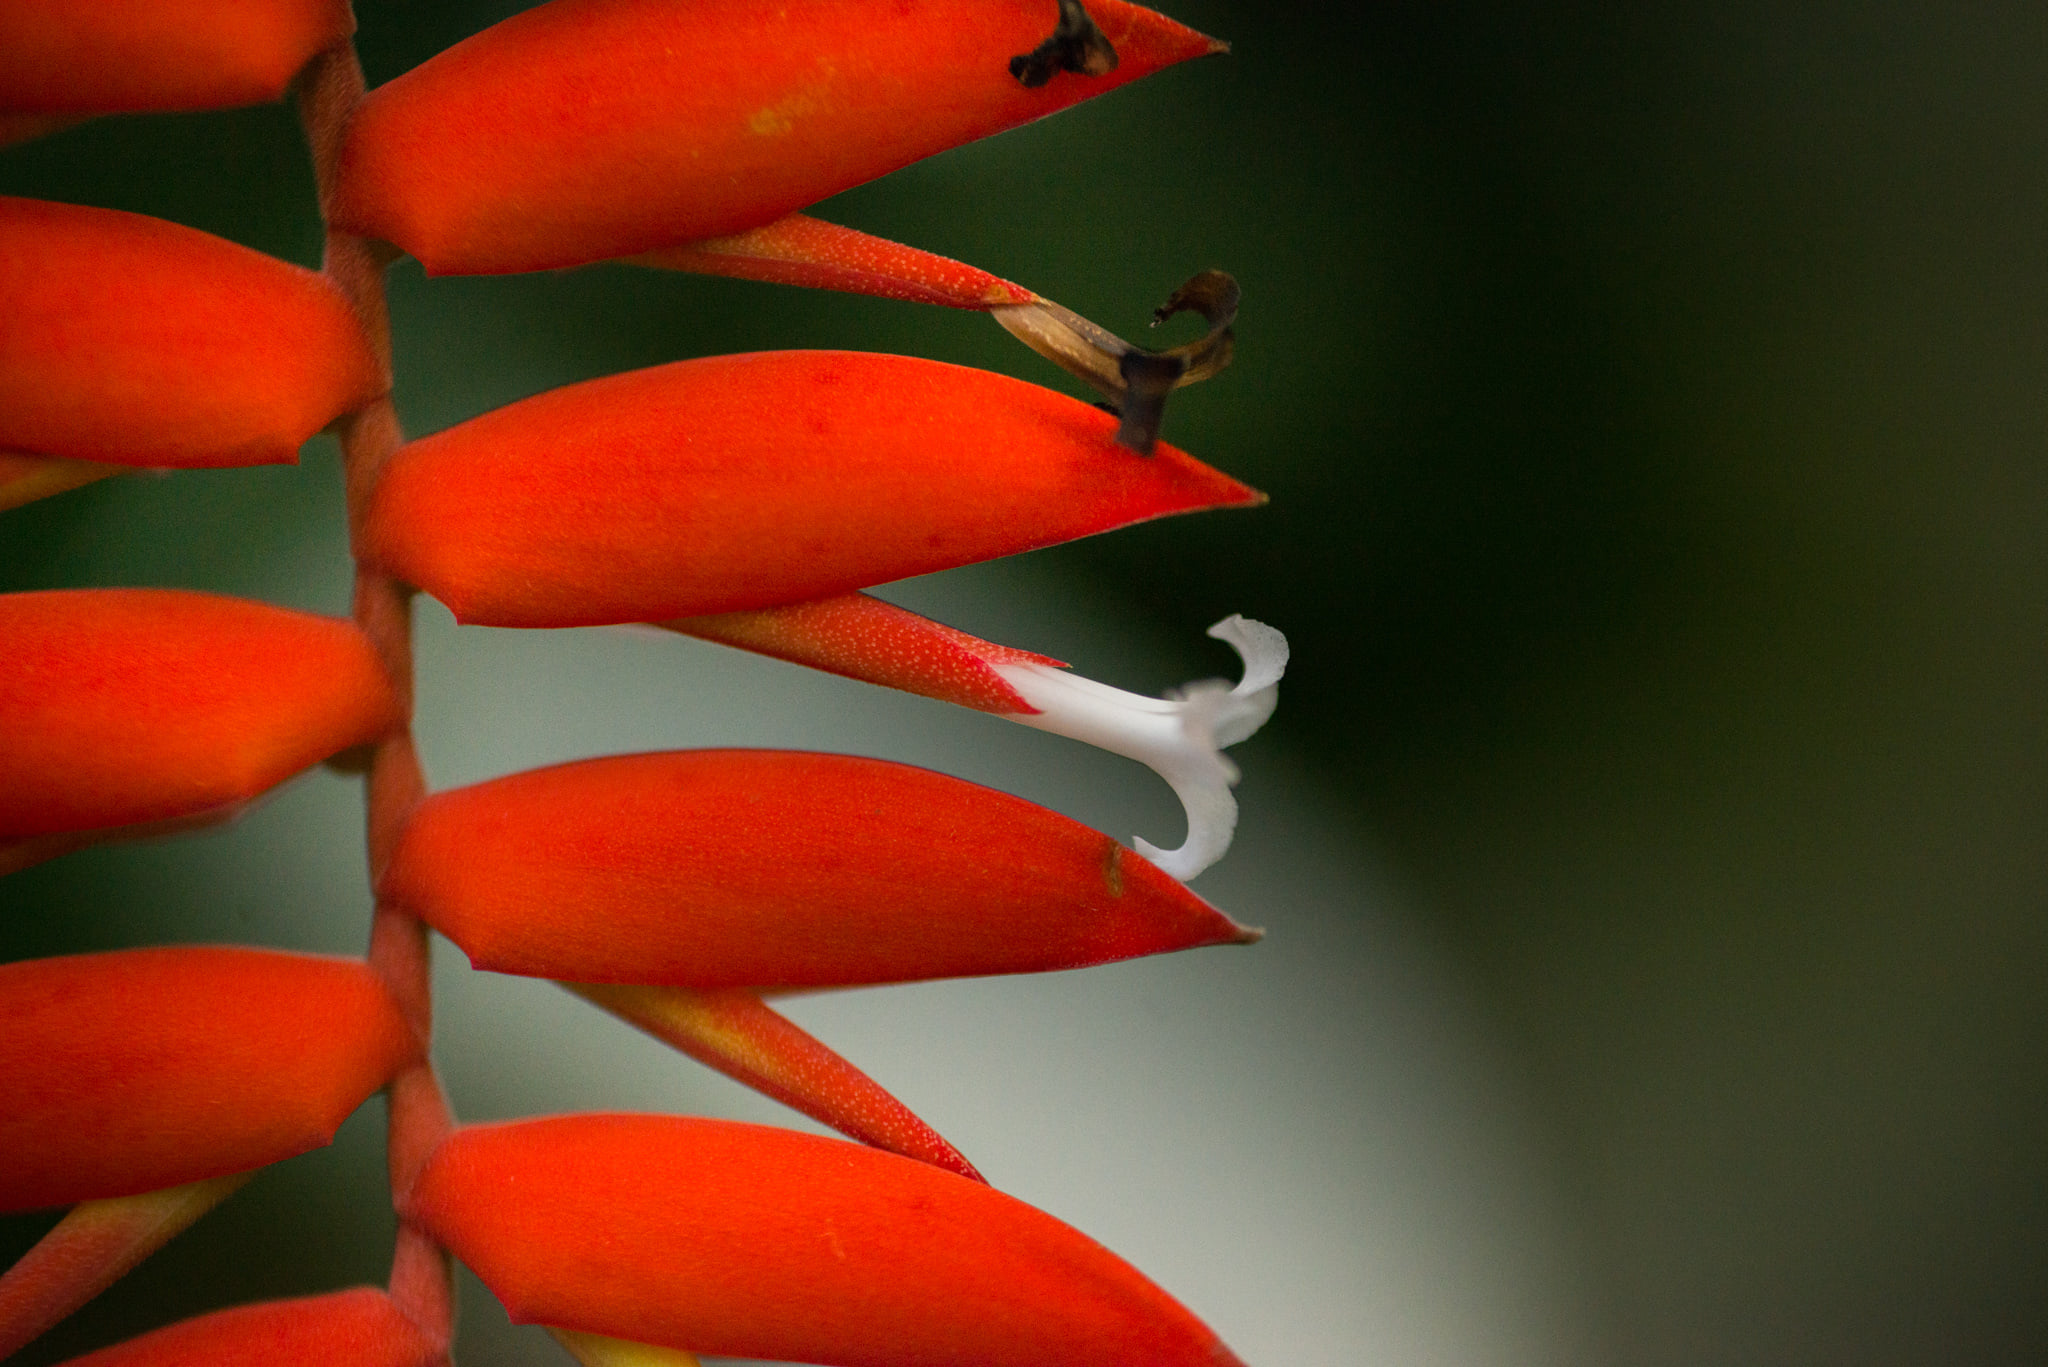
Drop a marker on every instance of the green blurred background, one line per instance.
(1652, 407)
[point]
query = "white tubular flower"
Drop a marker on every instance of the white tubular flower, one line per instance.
(1181, 736)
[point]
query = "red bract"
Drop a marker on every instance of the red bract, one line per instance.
(587, 129)
(107, 56)
(146, 1068)
(140, 342)
(743, 1037)
(800, 250)
(749, 481)
(96, 1244)
(736, 1239)
(860, 637)
(123, 706)
(751, 868)
(359, 1328)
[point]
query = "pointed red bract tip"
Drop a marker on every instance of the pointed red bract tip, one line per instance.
(859, 637)
(800, 250)
(750, 1042)
(759, 868)
(147, 1068)
(128, 706)
(752, 1242)
(359, 1328)
(111, 56)
(590, 129)
(741, 482)
(141, 342)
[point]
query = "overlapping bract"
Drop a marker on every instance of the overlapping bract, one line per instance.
(114, 56)
(128, 707)
(140, 342)
(733, 1239)
(359, 1328)
(766, 869)
(740, 482)
(672, 888)
(588, 129)
(131, 341)
(146, 1068)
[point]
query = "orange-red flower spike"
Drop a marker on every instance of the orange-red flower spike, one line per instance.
(800, 250)
(111, 56)
(739, 482)
(589, 129)
(743, 1037)
(714, 869)
(739, 1240)
(95, 1245)
(129, 707)
(140, 342)
(142, 1069)
(358, 1328)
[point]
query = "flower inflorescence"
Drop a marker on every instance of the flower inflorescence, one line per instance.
(678, 891)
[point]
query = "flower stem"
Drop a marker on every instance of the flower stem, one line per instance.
(421, 1284)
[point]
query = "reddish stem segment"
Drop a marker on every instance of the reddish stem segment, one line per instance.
(421, 1282)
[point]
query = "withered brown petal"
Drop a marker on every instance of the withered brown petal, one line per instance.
(1075, 45)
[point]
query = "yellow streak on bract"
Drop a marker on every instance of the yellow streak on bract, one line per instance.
(779, 119)
(688, 1021)
(25, 478)
(595, 1350)
(93, 1246)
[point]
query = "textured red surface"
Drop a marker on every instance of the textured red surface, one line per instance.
(141, 342)
(146, 1068)
(359, 1328)
(105, 56)
(746, 1039)
(752, 1242)
(739, 482)
(859, 637)
(799, 250)
(121, 706)
(587, 129)
(759, 868)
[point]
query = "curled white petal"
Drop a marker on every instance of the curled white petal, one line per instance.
(1181, 737)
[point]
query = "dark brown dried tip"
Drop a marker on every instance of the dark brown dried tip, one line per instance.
(1076, 45)
(1135, 380)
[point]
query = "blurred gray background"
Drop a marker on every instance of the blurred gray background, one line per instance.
(1652, 837)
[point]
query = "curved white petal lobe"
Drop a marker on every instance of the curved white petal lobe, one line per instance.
(1181, 737)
